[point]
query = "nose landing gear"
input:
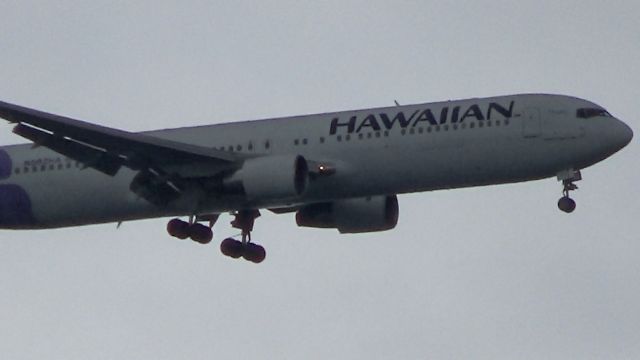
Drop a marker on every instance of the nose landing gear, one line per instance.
(567, 204)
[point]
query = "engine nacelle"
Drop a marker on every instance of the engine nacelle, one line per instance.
(271, 177)
(375, 213)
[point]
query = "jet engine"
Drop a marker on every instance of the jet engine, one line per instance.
(271, 177)
(374, 213)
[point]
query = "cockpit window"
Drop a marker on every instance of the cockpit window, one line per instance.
(586, 113)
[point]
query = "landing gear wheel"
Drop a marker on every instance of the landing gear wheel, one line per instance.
(244, 220)
(200, 233)
(178, 229)
(254, 253)
(232, 248)
(568, 177)
(566, 204)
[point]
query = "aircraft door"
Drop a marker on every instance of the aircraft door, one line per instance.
(531, 123)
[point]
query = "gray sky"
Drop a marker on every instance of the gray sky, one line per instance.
(485, 273)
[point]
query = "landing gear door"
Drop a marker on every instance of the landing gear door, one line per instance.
(531, 123)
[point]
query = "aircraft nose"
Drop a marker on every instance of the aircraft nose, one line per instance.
(611, 135)
(622, 134)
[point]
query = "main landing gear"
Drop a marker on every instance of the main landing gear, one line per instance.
(197, 232)
(566, 203)
(244, 220)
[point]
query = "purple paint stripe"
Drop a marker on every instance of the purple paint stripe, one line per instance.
(6, 165)
(15, 207)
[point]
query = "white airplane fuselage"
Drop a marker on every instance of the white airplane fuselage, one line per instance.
(382, 151)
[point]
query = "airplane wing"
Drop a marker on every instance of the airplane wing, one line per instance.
(71, 137)
(108, 149)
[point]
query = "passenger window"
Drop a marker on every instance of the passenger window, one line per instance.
(377, 134)
(17, 171)
(321, 140)
(304, 141)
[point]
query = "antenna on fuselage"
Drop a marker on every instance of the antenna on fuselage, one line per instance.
(396, 101)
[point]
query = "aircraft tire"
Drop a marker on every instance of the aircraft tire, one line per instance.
(232, 248)
(178, 229)
(566, 204)
(254, 253)
(200, 233)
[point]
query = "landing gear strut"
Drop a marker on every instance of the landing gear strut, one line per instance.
(566, 203)
(244, 221)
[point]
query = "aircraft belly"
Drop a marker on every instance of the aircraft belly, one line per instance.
(86, 197)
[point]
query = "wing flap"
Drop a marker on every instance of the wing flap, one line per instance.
(90, 156)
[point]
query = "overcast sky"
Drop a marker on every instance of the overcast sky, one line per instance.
(484, 273)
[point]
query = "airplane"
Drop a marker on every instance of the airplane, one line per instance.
(338, 170)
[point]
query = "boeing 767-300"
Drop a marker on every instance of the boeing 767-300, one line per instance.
(339, 170)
